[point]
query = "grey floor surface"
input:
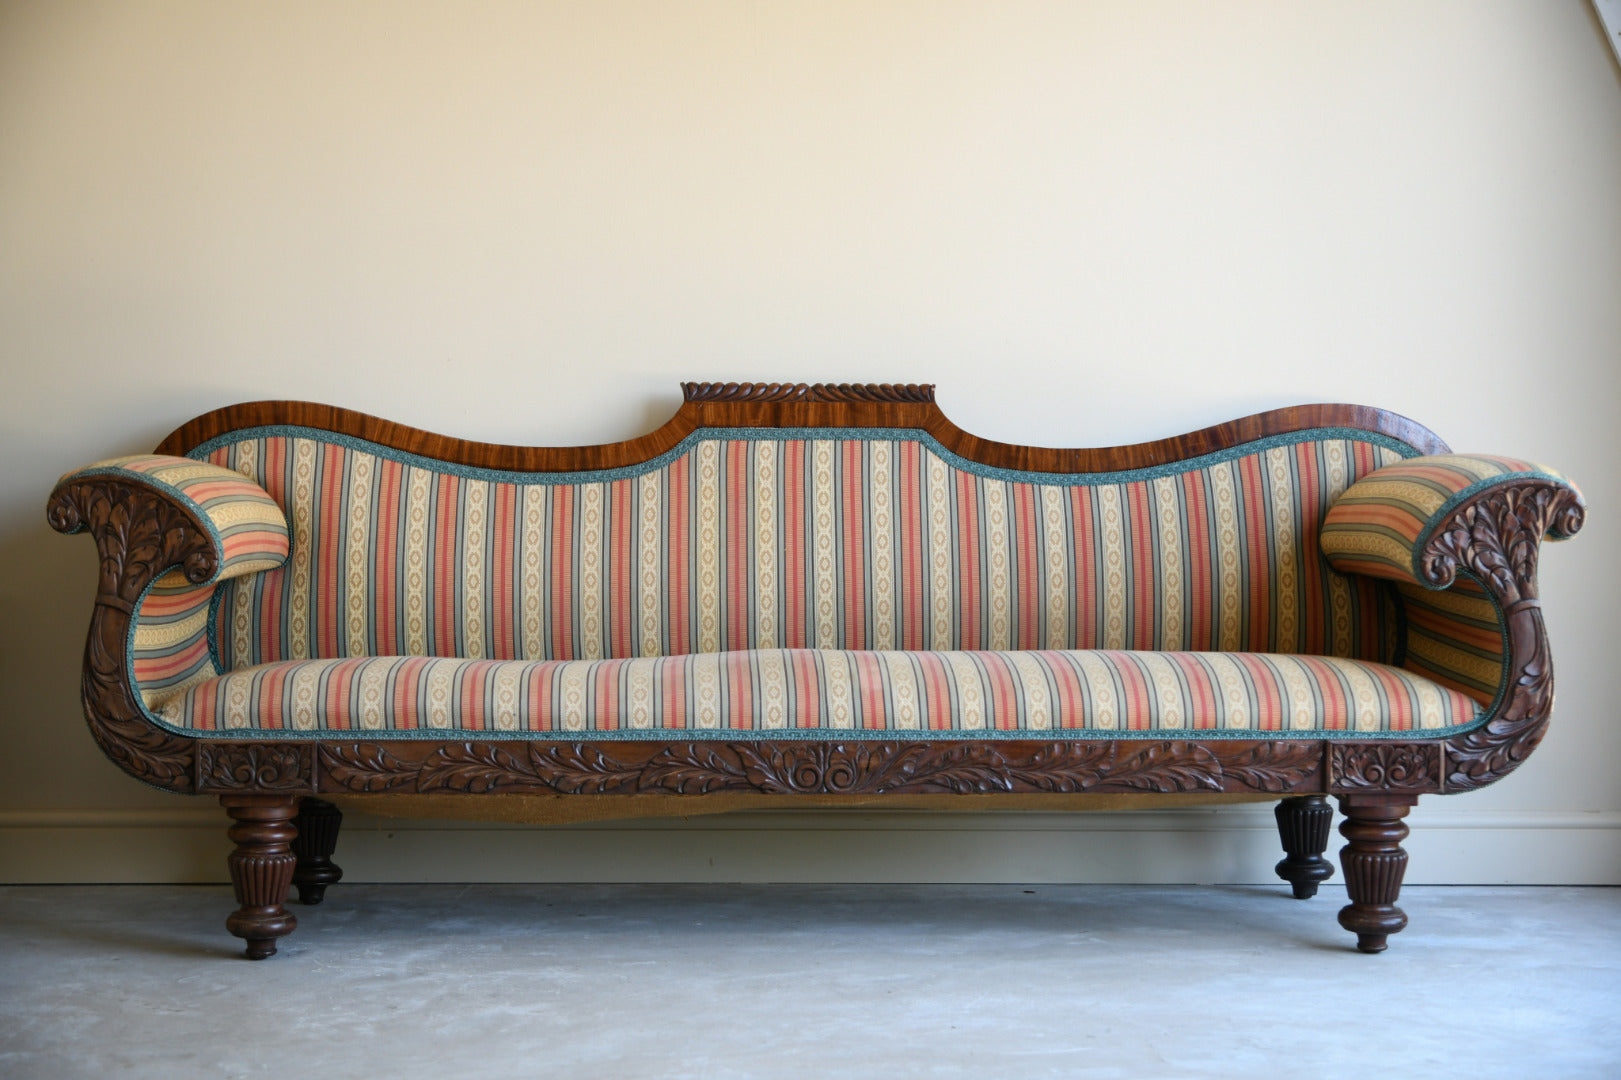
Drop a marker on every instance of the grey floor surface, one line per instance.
(810, 981)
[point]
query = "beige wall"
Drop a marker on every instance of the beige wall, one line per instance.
(1090, 223)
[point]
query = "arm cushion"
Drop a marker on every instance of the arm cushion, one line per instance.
(248, 527)
(1380, 526)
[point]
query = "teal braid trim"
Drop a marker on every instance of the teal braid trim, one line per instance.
(129, 659)
(627, 472)
(667, 735)
(213, 628)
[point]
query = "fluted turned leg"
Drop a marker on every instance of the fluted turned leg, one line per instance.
(261, 869)
(1374, 863)
(318, 822)
(1303, 827)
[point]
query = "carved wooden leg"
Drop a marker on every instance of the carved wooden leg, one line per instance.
(1374, 863)
(318, 822)
(261, 869)
(1303, 826)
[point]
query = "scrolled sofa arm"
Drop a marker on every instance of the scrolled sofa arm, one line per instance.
(246, 529)
(161, 523)
(1402, 522)
(1423, 522)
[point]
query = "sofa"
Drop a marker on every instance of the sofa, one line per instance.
(827, 594)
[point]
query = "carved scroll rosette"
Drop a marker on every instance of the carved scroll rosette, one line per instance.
(1494, 538)
(1384, 766)
(139, 534)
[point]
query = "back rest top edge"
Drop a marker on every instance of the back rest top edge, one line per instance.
(751, 411)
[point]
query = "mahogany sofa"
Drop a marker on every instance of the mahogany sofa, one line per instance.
(815, 591)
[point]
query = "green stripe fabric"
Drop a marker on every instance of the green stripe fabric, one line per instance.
(1456, 638)
(170, 649)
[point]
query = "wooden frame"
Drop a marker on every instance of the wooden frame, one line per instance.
(140, 534)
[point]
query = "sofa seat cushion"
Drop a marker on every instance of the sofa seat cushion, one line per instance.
(777, 693)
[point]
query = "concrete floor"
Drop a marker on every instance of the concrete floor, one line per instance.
(810, 981)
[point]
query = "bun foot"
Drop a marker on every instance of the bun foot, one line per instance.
(1371, 943)
(260, 948)
(1372, 924)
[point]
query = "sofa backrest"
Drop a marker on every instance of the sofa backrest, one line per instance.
(745, 538)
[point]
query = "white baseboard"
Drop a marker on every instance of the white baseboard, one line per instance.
(1229, 845)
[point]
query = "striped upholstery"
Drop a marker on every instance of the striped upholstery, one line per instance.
(767, 539)
(170, 648)
(1454, 636)
(1380, 526)
(805, 693)
(743, 553)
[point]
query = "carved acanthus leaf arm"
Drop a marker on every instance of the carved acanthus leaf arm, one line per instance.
(1495, 538)
(141, 532)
